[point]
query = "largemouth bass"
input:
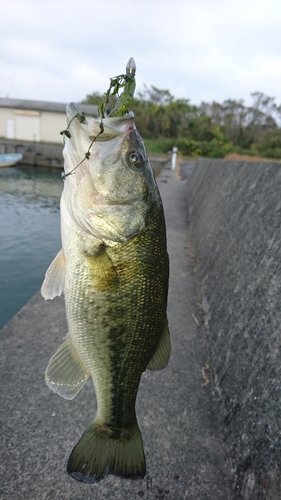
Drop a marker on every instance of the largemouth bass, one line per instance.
(113, 270)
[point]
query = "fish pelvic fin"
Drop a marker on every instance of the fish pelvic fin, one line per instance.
(161, 356)
(102, 451)
(65, 374)
(53, 284)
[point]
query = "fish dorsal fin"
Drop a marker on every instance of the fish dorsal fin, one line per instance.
(53, 284)
(65, 373)
(161, 357)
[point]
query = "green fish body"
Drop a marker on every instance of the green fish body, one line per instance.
(113, 270)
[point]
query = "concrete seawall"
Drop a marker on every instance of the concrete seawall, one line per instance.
(50, 155)
(235, 216)
(35, 153)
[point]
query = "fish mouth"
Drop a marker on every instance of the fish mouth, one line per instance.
(93, 139)
(111, 127)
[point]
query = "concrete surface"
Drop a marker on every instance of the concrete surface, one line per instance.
(235, 213)
(186, 455)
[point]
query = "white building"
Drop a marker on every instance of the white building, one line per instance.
(37, 121)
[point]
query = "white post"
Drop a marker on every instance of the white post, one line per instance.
(174, 158)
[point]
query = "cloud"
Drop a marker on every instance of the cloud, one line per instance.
(203, 50)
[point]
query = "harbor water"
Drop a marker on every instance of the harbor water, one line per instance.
(29, 232)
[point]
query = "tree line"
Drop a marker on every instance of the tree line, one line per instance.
(210, 129)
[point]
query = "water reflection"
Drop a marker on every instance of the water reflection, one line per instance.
(29, 232)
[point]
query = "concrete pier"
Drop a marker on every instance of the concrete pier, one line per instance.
(187, 457)
(211, 421)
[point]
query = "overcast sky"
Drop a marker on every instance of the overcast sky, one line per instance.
(201, 50)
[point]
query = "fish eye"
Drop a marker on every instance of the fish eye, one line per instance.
(135, 159)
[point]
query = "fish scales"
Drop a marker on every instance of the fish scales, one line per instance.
(113, 270)
(121, 309)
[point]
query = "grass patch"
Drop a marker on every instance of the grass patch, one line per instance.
(154, 147)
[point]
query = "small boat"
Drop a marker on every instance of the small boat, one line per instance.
(6, 160)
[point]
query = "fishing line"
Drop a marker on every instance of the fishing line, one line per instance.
(134, 23)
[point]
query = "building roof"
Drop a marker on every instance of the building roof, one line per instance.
(56, 107)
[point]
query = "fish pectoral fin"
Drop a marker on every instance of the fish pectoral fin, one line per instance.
(65, 373)
(162, 355)
(53, 284)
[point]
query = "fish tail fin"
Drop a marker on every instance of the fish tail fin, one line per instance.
(102, 451)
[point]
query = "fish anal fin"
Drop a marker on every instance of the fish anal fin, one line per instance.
(161, 357)
(53, 284)
(65, 373)
(101, 452)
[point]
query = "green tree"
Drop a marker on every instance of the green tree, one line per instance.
(269, 144)
(211, 129)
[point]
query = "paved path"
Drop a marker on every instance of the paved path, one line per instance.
(186, 457)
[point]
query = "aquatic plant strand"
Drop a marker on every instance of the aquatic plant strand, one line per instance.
(127, 82)
(88, 152)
